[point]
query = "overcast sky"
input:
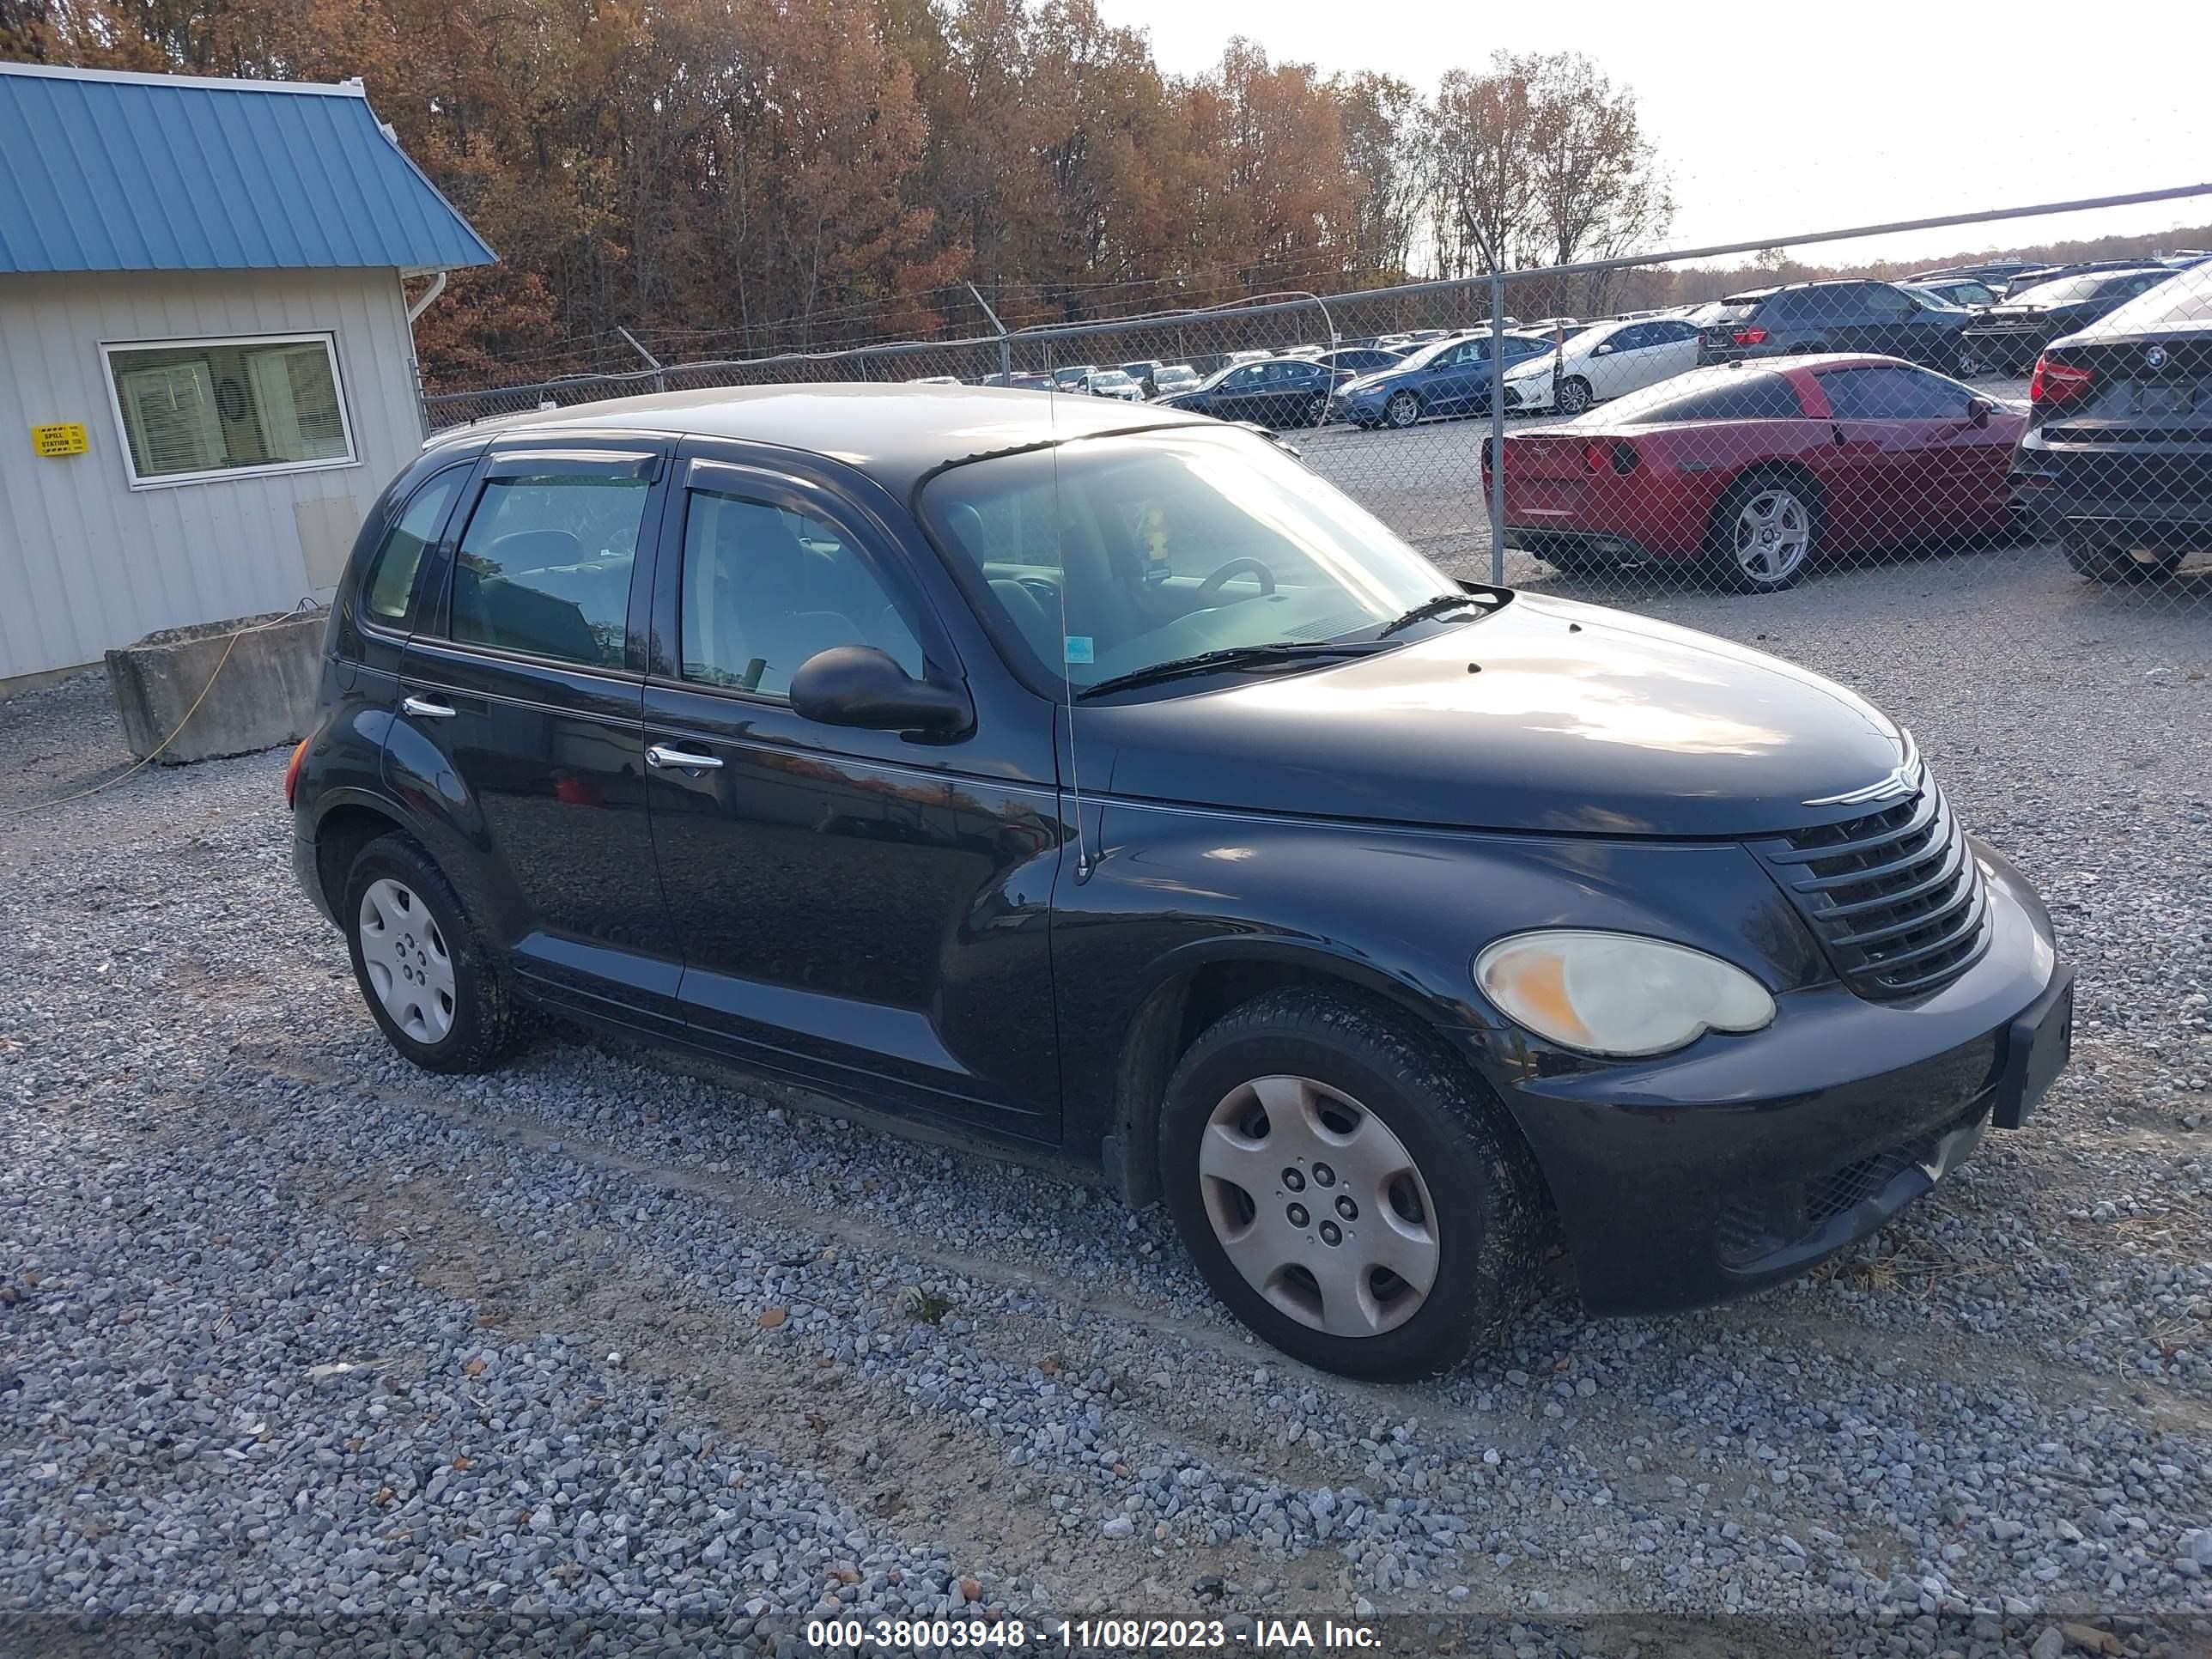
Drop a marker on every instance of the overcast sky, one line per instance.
(1775, 116)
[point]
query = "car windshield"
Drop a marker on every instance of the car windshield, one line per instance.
(1107, 556)
(2169, 305)
(1112, 377)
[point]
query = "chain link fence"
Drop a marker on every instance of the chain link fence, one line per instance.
(1595, 429)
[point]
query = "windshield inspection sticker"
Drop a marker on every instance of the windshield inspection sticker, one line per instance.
(1078, 648)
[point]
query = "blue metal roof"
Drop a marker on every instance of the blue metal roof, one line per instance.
(114, 171)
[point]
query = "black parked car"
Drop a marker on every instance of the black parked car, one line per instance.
(1273, 391)
(1126, 795)
(2008, 338)
(1853, 316)
(2115, 464)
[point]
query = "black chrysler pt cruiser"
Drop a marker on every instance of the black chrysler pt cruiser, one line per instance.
(1099, 780)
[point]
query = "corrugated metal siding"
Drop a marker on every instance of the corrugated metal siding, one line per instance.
(86, 562)
(127, 173)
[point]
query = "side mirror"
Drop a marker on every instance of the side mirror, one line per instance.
(1603, 349)
(859, 686)
(1978, 411)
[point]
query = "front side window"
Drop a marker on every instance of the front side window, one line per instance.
(1893, 393)
(1109, 555)
(544, 567)
(765, 588)
(204, 408)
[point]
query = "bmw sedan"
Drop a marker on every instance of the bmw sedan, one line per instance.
(1099, 784)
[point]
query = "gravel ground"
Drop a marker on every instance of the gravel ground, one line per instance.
(290, 1333)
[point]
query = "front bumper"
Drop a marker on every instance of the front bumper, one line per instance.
(1743, 1161)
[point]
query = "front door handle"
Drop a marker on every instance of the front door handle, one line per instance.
(424, 708)
(661, 755)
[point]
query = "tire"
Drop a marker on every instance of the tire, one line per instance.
(1764, 533)
(1332, 1063)
(447, 1007)
(1573, 396)
(2103, 560)
(1964, 364)
(1401, 410)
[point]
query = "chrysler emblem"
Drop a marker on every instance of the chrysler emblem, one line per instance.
(1898, 784)
(2155, 357)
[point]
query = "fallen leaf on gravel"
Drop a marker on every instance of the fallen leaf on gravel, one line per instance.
(773, 1317)
(474, 1368)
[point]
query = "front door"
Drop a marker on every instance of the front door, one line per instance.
(858, 911)
(521, 707)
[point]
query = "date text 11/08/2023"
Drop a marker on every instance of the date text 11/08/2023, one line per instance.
(1085, 1635)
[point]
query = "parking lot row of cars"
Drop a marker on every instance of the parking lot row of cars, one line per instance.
(1754, 466)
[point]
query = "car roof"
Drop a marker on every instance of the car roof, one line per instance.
(896, 434)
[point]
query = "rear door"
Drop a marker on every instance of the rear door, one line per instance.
(520, 733)
(861, 912)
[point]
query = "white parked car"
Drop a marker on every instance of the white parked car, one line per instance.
(1603, 362)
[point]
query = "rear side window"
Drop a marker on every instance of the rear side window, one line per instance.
(544, 567)
(390, 587)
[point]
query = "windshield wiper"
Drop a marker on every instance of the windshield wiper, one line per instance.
(1235, 656)
(1435, 607)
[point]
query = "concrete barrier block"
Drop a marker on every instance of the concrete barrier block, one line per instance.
(265, 694)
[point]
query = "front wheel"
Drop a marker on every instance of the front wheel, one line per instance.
(1574, 396)
(1764, 534)
(1349, 1194)
(1403, 410)
(430, 984)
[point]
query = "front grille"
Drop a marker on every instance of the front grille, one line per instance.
(1896, 898)
(1752, 1227)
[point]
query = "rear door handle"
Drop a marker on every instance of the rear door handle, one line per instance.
(424, 708)
(661, 755)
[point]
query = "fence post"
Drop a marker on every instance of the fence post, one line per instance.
(1497, 426)
(1006, 345)
(659, 380)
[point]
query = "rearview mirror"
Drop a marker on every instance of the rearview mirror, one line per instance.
(859, 686)
(1978, 411)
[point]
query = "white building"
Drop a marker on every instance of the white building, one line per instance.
(207, 369)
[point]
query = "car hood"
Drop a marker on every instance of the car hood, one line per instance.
(1547, 716)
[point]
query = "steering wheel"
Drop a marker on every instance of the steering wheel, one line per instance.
(1212, 585)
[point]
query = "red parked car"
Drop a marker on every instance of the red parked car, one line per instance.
(1754, 469)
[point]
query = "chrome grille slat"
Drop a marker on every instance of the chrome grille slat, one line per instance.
(1895, 897)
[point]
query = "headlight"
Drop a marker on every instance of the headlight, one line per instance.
(1618, 994)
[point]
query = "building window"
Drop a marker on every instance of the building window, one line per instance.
(221, 409)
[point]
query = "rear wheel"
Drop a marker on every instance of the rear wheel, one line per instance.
(1403, 410)
(1574, 395)
(1350, 1194)
(429, 983)
(1764, 534)
(2103, 559)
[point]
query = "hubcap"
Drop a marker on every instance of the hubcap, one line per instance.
(1772, 534)
(1573, 398)
(408, 967)
(1403, 410)
(1319, 1204)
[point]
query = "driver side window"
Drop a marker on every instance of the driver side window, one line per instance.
(765, 588)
